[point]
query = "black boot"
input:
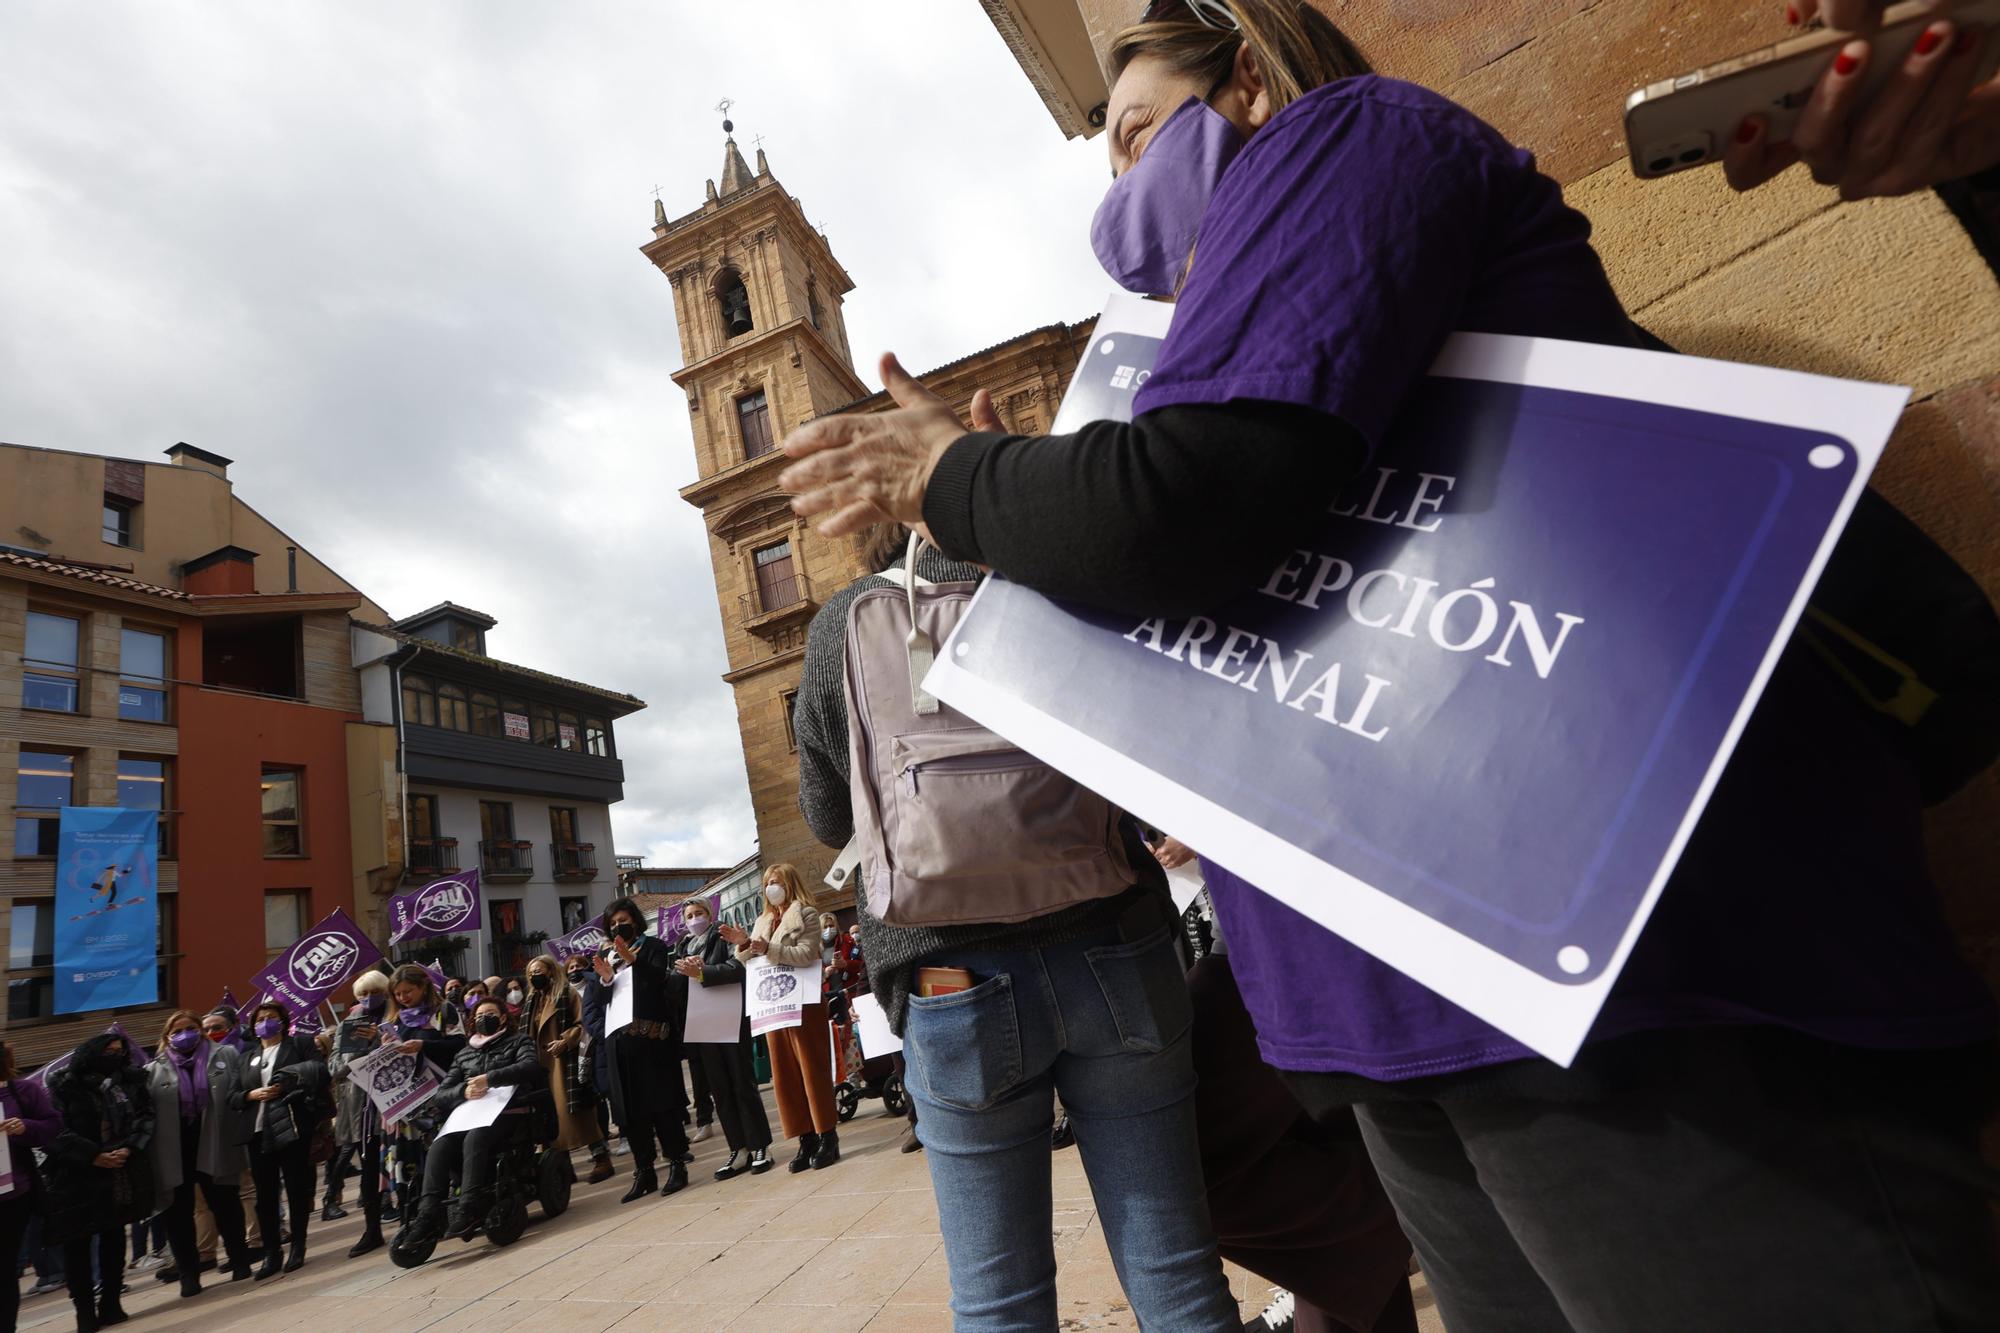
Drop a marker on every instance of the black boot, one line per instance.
(426, 1224)
(644, 1182)
(829, 1150)
(808, 1145)
(86, 1314)
(737, 1164)
(190, 1285)
(331, 1211)
(371, 1240)
(109, 1312)
(297, 1259)
(677, 1179)
(468, 1211)
(274, 1262)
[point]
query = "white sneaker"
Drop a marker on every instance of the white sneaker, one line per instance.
(148, 1263)
(45, 1286)
(702, 1132)
(1280, 1316)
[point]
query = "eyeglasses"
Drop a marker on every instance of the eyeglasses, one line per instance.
(1209, 13)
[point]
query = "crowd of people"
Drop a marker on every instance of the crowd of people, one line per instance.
(165, 1144)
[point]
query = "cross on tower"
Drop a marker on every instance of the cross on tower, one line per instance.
(757, 140)
(656, 190)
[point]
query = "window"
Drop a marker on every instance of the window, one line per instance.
(419, 701)
(145, 783)
(545, 724)
(596, 737)
(45, 784)
(777, 584)
(284, 919)
(485, 714)
(753, 417)
(284, 822)
(735, 301)
(568, 731)
(514, 723)
(562, 824)
(142, 675)
(118, 521)
(575, 911)
(424, 825)
(467, 638)
(452, 712)
(812, 301)
(790, 700)
(496, 821)
(50, 677)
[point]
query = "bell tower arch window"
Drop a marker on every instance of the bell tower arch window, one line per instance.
(733, 300)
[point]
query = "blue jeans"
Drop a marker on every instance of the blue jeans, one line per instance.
(1106, 1024)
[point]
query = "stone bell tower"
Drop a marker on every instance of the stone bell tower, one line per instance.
(757, 299)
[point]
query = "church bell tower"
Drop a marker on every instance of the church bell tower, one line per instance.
(757, 303)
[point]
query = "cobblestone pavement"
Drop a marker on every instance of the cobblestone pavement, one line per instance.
(852, 1247)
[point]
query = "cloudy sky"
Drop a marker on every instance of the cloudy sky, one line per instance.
(385, 256)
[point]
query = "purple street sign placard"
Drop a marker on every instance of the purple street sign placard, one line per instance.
(319, 963)
(447, 906)
(1469, 723)
(586, 939)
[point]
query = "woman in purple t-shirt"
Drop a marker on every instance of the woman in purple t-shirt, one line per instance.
(1774, 1123)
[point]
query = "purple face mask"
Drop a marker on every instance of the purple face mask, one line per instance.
(269, 1027)
(185, 1040)
(1145, 228)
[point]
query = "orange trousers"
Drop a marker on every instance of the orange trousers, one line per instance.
(802, 1075)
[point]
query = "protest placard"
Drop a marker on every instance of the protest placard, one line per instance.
(477, 1112)
(1469, 723)
(775, 997)
(715, 1013)
(618, 1013)
(396, 1083)
(872, 1026)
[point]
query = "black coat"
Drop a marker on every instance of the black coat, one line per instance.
(100, 1113)
(308, 1092)
(719, 965)
(594, 997)
(505, 1061)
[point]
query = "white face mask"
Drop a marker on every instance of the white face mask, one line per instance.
(827, 934)
(513, 997)
(774, 894)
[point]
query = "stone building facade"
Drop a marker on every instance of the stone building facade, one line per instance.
(757, 297)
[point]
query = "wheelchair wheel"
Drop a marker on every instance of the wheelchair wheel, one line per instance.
(405, 1253)
(894, 1099)
(848, 1098)
(553, 1178)
(506, 1220)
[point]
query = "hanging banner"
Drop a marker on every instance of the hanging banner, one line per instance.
(586, 939)
(447, 906)
(669, 927)
(396, 1083)
(107, 912)
(318, 964)
(1469, 723)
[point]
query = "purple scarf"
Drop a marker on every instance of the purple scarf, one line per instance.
(193, 1080)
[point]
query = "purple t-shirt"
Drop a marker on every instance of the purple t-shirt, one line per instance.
(1367, 222)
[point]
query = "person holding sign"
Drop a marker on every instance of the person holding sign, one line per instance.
(421, 1022)
(100, 1172)
(707, 961)
(495, 1056)
(646, 1052)
(284, 1091)
(363, 1030)
(27, 1122)
(1324, 231)
(787, 933)
(198, 1142)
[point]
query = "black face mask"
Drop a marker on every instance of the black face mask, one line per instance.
(488, 1024)
(626, 931)
(540, 981)
(108, 1063)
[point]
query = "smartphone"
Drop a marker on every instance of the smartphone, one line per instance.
(1688, 120)
(942, 981)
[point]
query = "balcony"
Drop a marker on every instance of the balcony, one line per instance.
(779, 612)
(573, 860)
(506, 860)
(431, 858)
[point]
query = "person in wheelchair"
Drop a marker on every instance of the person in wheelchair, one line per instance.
(495, 1056)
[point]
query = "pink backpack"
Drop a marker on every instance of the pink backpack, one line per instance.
(953, 823)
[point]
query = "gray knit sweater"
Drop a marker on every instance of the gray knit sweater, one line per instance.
(819, 723)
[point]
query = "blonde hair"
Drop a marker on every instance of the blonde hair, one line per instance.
(370, 982)
(176, 1016)
(786, 874)
(1297, 48)
(558, 987)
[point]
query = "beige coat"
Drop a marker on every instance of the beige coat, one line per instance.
(795, 943)
(562, 1026)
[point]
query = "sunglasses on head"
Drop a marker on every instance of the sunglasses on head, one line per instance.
(1209, 13)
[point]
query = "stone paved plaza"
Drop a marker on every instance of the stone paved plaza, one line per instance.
(849, 1248)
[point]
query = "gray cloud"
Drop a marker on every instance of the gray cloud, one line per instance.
(385, 256)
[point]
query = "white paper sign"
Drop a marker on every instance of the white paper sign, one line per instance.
(715, 1013)
(775, 997)
(872, 1026)
(477, 1112)
(6, 1164)
(1186, 884)
(619, 1013)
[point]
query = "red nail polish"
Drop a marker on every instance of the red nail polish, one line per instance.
(1792, 15)
(1845, 64)
(1929, 41)
(1746, 131)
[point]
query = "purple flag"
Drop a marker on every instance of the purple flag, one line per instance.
(587, 938)
(317, 965)
(308, 1024)
(228, 1001)
(670, 917)
(437, 973)
(442, 907)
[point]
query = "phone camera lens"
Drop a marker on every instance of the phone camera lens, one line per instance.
(1694, 155)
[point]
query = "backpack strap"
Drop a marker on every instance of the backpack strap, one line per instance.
(922, 652)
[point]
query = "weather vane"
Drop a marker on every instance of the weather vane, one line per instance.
(723, 107)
